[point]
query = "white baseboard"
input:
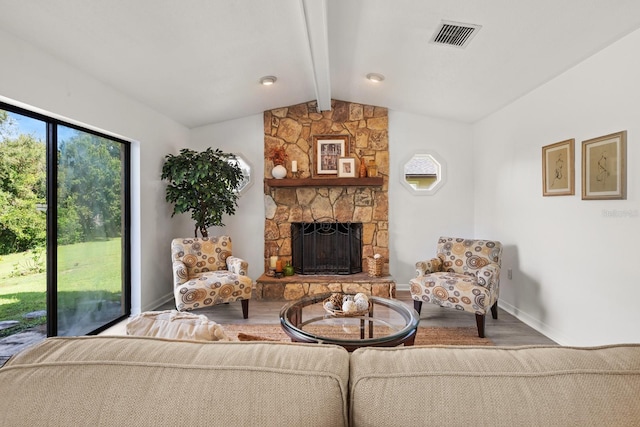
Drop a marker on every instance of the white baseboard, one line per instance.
(402, 287)
(533, 322)
(157, 303)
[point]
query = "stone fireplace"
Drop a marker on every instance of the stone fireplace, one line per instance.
(309, 199)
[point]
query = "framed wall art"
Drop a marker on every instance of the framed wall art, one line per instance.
(604, 167)
(346, 167)
(327, 150)
(558, 166)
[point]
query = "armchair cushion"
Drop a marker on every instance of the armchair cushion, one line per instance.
(205, 254)
(467, 256)
(459, 291)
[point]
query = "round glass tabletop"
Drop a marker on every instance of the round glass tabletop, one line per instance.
(388, 323)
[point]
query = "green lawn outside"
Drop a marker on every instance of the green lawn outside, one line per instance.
(86, 270)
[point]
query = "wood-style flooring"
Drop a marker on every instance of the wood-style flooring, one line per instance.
(506, 330)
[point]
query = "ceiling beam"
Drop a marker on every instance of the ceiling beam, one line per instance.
(315, 19)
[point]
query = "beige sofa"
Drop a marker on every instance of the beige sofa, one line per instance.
(134, 381)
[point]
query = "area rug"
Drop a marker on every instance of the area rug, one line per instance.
(425, 336)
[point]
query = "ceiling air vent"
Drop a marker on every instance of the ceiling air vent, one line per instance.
(455, 34)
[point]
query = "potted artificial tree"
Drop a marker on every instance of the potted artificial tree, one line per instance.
(204, 183)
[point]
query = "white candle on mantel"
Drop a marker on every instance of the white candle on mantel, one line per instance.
(272, 262)
(294, 166)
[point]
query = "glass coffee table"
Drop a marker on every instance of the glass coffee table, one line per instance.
(388, 323)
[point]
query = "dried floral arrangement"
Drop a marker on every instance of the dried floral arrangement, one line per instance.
(347, 305)
(278, 156)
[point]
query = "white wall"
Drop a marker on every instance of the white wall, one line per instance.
(416, 221)
(246, 227)
(574, 268)
(35, 80)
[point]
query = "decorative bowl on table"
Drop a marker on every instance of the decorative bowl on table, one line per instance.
(343, 305)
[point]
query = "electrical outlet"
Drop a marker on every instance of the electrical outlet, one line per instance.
(510, 274)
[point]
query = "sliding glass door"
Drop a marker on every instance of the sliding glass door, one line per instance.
(90, 226)
(23, 225)
(81, 209)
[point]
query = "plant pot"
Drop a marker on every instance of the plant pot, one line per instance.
(278, 172)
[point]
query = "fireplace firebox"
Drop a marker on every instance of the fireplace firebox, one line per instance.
(326, 247)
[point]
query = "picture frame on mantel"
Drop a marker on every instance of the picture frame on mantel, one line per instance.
(604, 167)
(346, 167)
(327, 150)
(558, 169)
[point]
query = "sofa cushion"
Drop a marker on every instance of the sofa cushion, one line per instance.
(141, 381)
(545, 386)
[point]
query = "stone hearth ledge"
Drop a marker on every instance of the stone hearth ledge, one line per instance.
(298, 286)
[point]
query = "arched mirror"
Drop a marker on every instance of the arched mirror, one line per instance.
(247, 179)
(423, 173)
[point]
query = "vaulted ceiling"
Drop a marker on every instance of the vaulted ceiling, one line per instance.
(199, 61)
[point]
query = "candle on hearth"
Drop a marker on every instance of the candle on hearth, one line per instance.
(272, 262)
(294, 166)
(279, 266)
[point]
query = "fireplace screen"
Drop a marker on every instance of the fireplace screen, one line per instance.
(326, 247)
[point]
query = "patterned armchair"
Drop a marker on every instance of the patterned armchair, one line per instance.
(205, 273)
(465, 276)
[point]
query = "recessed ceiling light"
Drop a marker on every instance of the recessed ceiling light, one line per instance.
(375, 77)
(268, 80)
